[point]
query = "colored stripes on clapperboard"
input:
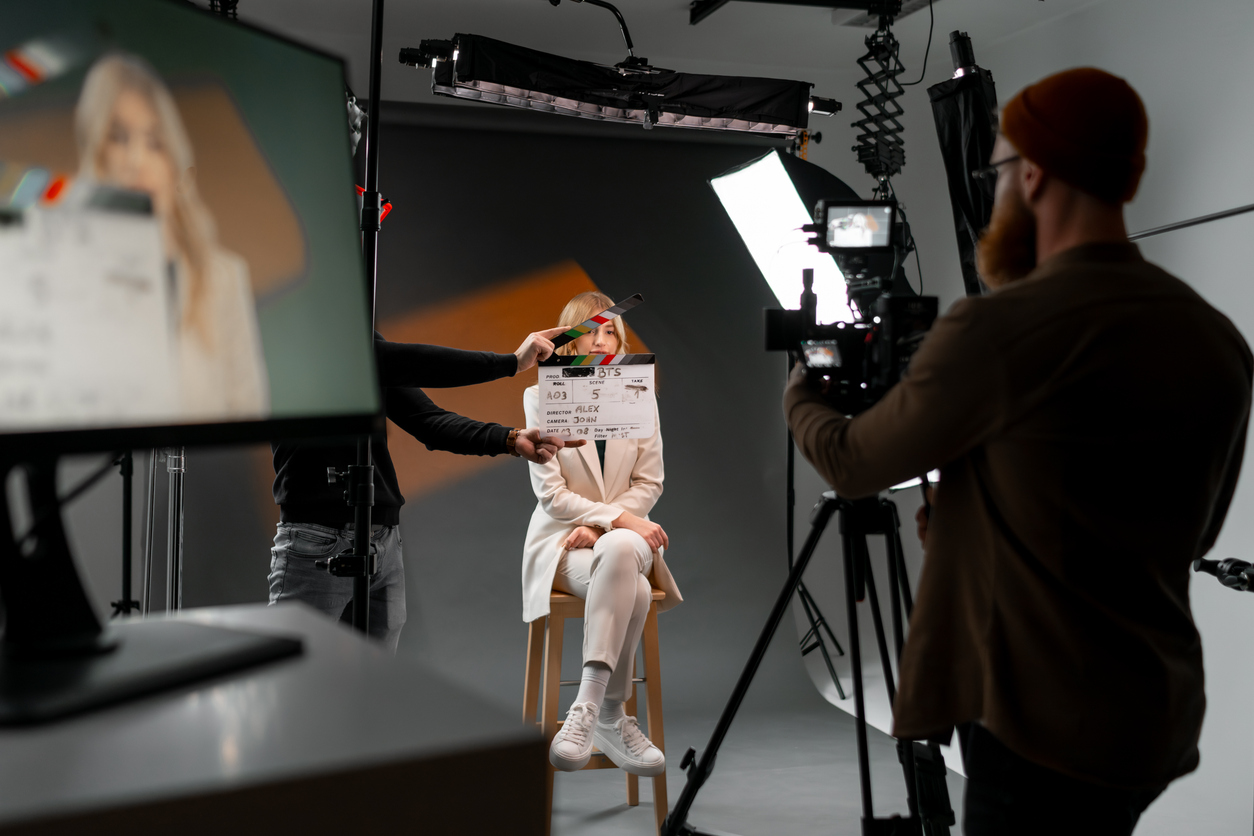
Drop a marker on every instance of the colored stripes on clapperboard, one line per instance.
(599, 360)
(600, 319)
(35, 62)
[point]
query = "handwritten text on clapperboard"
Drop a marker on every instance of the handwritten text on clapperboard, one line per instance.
(598, 402)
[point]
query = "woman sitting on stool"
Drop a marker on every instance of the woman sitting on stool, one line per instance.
(590, 536)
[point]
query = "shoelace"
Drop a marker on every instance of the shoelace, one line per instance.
(577, 724)
(636, 742)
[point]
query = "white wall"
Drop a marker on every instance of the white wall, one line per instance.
(1193, 64)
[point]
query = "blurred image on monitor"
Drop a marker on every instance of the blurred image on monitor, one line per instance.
(178, 245)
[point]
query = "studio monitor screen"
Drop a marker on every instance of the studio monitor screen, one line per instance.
(179, 256)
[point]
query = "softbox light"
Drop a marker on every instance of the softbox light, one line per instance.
(769, 200)
(965, 109)
(486, 70)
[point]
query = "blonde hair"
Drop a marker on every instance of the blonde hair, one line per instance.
(583, 307)
(190, 223)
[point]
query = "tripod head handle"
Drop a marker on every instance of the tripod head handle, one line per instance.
(1232, 573)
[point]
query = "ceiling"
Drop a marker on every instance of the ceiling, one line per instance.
(742, 38)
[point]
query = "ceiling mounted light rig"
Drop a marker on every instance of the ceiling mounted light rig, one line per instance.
(879, 147)
(486, 70)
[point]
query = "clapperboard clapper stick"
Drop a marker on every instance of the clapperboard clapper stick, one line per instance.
(600, 319)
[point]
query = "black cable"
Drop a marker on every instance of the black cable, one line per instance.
(913, 243)
(917, 265)
(931, 25)
(886, 191)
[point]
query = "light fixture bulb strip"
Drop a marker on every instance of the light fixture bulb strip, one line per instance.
(517, 97)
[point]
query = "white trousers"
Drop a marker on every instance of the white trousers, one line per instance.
(612, 578)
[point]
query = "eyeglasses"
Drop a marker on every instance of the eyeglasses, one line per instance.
(991, 170)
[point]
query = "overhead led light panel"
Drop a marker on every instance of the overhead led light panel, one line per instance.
(483, 69)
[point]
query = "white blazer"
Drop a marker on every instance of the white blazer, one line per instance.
(572, 492)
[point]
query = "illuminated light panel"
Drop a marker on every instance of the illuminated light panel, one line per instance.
(768, 213)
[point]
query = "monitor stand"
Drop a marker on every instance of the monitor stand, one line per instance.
(56, 658)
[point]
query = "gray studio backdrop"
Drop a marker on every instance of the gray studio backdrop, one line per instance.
(482, 196)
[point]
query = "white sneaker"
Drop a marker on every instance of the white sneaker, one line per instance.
(572, 745)
(624, 744)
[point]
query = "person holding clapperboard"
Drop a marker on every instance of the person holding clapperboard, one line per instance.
(591, 536)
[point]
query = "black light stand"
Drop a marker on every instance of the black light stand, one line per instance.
(361, 563)
(927, 800)
(126, 605)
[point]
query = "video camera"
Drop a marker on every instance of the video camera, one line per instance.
(863, 359)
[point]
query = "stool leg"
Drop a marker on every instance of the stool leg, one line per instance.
(551, 698)
(531, 676)
(633, 781)
(653, 702)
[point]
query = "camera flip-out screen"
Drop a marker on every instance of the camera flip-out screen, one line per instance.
(862, 225)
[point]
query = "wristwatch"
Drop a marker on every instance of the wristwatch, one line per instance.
(511, 443)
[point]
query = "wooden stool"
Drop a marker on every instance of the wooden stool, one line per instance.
(544, 672)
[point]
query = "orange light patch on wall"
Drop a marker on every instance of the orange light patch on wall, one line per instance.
(494, 319)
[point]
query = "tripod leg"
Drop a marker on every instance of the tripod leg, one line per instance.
(817, 622)
(903, 578)
(905, 749)
(855, 652)
(924, 790)
(893, 542)
(878, 620)
(699, 772)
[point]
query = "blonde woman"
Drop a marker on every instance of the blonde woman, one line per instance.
(130, 135)
(591, 536)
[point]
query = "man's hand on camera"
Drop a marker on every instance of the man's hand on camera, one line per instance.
(583, 537)
(815, 381)
(650, 531)
(537, 346)
(534, 446)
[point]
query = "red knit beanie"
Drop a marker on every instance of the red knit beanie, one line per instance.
(1086, 127)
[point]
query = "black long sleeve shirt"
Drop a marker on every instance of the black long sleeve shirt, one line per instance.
(300, 483)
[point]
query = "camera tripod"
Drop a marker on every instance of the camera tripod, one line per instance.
(927, 794)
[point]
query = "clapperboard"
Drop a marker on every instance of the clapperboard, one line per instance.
(598, 396)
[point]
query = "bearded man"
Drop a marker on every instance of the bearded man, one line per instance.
(1053, 610)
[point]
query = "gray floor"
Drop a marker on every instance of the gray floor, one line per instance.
(777, 773)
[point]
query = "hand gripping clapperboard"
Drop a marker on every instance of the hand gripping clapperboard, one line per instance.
(598, 396)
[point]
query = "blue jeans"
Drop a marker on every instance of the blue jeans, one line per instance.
(293, 576)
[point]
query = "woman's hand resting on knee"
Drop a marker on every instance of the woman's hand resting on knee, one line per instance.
(650, 531)
(583, 537)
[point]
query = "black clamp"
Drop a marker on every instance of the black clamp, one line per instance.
(358, 481)
(349, 564)
(371, 211)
